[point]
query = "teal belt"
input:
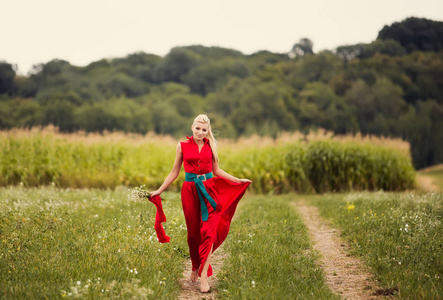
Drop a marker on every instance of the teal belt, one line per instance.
(197, 179)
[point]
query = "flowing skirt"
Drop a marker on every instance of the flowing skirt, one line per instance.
(210, 234)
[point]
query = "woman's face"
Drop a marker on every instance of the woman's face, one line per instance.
(200, 130)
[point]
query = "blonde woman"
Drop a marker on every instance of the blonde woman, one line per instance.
(208, 202)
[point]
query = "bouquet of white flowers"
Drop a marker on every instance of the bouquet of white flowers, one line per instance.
(140, 193)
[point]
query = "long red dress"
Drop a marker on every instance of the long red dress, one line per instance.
(202, 235)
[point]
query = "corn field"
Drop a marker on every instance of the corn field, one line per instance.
(317, 162)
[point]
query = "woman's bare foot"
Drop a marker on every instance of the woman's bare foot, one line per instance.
(194, 275)
(204, 285)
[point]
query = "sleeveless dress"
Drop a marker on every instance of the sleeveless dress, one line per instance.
(204, 235)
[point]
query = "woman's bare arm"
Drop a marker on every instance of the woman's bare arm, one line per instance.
(174, 172)
(219, 172)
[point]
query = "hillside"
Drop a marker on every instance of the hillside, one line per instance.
(385, 88)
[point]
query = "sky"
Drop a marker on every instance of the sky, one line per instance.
(83, 31)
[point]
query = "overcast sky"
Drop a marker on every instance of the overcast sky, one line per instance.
(83, 31)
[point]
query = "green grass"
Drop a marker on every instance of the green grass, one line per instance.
(399, 235)
(58, 243)
(270, 255)
(69, 243)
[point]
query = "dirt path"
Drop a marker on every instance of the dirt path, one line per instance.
(345, 275)
(427, 183)
(191, 290)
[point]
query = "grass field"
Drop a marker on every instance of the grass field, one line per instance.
(398, 235)
(96, 244)
(270, 255)
(91, 244)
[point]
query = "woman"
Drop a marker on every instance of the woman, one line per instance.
(208, 202)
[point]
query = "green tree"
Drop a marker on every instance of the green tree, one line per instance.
(388, 47)
(178, 62)
(168, 121)
(60, 113)
(415, 34)
(378, 107)
(349, 52)
(138, 65)
(320, 107)
(425, 134)
(213, 75)
(120, 84)
(7, 79)
(26, 113)
(320, 67)
(266, 102)
(6, 114)
(214, 53)
(303, 47)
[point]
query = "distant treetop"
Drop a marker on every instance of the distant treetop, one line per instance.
(415, 34)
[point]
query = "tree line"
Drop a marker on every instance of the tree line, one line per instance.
(391, 87)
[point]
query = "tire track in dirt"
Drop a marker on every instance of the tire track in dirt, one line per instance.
(191, 290)
(346, 275)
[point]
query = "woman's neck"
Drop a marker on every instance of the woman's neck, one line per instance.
(199, 143)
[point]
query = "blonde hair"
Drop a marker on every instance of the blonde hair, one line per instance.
(212, 142)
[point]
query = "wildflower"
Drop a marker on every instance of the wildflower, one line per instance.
(139, 193)
(253, 283)
(79, 283)
(350, 207)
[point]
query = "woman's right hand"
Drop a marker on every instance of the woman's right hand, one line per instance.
(155, 193)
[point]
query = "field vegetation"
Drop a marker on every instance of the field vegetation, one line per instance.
(57, 243)
(398, 235)
(95, 243)
(304, 163)
(270, 256)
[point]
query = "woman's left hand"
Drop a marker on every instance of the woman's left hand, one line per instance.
(243, 180)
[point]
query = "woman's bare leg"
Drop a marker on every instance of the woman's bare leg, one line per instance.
(194, 275)
(204, 285)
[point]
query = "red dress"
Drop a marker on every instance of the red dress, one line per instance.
(202, 235)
